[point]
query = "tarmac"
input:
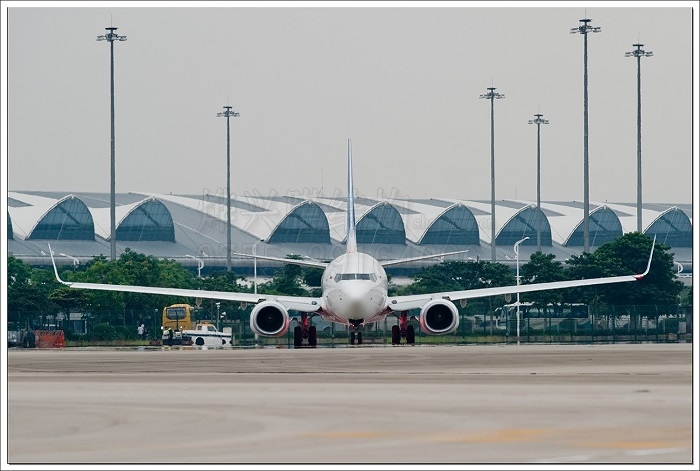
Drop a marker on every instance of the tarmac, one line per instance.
(474, 404)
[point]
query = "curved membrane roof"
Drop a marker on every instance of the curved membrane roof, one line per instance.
(455, 226)
(67, 219)
(672, 228)
(307, 223)
(381, 225)
(603, 226)
(388, 229)
(149, 220)
(524, 224)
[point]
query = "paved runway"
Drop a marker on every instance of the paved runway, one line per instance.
(622, 403)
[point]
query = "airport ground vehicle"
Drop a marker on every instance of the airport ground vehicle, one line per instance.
(206, 335)
(176, 318)
(179, 327)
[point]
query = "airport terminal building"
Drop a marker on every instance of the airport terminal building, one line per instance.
(191, 229)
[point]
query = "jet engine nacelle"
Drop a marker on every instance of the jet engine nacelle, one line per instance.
(269, 319)
(439, 317)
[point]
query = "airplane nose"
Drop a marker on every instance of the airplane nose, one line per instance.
(360, 301)
(354, 293)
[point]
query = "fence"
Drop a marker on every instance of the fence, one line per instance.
(622, 323)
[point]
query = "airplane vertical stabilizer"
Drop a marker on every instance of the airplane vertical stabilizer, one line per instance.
(351, 240)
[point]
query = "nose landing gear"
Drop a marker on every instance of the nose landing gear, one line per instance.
(403, 330)
(355, 332)
(305, 331)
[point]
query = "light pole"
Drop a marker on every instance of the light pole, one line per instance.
(227, 114)
(493, 95)
(255, 267)
(538, 120)
(155, 323)
(516, 249)
(76, 262)
(200, 264)
(218, 304)
(584, 29)
(639, 53)
(112, 36)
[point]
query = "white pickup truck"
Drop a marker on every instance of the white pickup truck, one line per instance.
(205, 334)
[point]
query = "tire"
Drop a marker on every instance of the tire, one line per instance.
(297, 336)
(352, 338)
(312, 336)
(359, 338)
(410, 335)
(395, 335)
(199, 341)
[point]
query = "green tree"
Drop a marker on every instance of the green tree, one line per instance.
(542, 268)
(457, 275)
(28, 292)
(131, 268)
(628, 255)
(286, 281)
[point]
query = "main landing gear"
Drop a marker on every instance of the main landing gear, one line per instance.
(355, 332)
(403, 330)
(305, 331)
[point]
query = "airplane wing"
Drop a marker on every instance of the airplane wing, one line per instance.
(292, 261)
(387, 263)
(296, 303)
(404, 303)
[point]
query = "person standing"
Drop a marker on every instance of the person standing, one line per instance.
(142, 332)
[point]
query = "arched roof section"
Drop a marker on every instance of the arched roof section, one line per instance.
(68, 219)
(381, 225)
(673, 228)
(10, 234)
(455, 226)
(150, 220)
(524, 224)
(603, 226)
(306, 223)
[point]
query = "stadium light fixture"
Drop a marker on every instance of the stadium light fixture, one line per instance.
(493, 95)
(110, 37)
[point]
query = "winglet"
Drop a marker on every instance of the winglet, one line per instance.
(651, 254)
(55, 270)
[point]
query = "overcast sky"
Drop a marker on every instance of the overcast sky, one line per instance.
(403, 83)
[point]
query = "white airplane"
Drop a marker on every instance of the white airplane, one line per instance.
(354, 293)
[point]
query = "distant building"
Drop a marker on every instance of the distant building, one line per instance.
(181, 227)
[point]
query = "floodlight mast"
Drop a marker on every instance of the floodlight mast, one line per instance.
(639, 53)
(584, 28)
(538, 120)
(112, 36)
(227, 114)
(493, 95)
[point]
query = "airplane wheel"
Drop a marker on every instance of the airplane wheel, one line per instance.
(312, 336)
(297, 336)
(359, 338)
(395, 335)
(352, 338)
(410, 335)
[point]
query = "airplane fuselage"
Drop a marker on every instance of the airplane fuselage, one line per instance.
(354, 289)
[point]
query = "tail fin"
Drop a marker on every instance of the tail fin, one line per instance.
(351, 240)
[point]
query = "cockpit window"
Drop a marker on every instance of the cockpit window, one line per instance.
(355, 276)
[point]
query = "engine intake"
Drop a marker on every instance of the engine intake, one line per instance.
(269, 319)
(439, 317)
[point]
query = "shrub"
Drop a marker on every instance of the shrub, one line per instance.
(104, 332)
(123, 332)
